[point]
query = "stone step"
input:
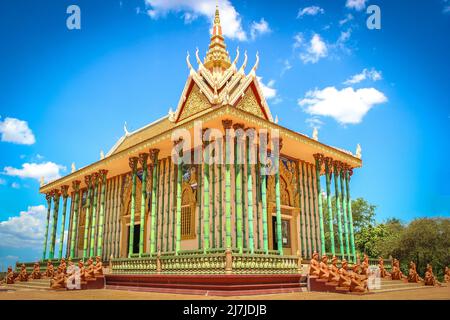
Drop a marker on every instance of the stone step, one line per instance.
(21, 286)
(400, 289)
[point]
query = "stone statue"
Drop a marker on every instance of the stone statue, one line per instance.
(82, 270)
(383, 272)
(413, 276)
(447, 275)
(430, 279)
(98, 269)
(365, 266)
(323, 273)
(59, 280)
(344, 277)
(50, 271)
(396, 272)
(358, 283)
(23, 274)
(90, 270)
(73, 277)
(63, 265)
(36, 274)
(314, 269)
(333, 271)
(9, 279)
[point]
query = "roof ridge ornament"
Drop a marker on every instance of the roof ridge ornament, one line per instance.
(127, 133)
(255, 67)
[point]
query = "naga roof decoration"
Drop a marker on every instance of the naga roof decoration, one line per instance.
(219, 80)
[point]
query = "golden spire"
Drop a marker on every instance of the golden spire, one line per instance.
(217, 56)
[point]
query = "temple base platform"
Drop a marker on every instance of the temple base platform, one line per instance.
(210, 285)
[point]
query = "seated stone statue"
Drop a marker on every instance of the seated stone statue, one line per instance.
(447, 275)
(365, 266)
(314, 269)
(73, 281)
(357, 284)
(383, 272)
(23, 274)
(9, 279)
(36, 274)
(90, 270)
(59, 280)
(98, 269)
(344, 277)
(324, 273)
(82, 271)
(430, 279)
(413, 276)
(333, 271)
(50, 271)
(63, 265)
(396, 271)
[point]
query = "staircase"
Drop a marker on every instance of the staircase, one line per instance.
(39, 284)
(388, 285)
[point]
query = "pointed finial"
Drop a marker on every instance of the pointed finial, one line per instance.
(315, 134)
(358, 151)
(127, 133)
(102, 155)
(73, 167)
(41, 181)
(276, 119)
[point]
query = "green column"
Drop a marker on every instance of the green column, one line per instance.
(48, 197)
(133, 165)
(238, 183)
(318, 157)
(88, 181)
(206, 203)
(169, 183)
(336, 173)
(220, 194)
(300, 201)
(251, 243)
(163, 184)
(350, 217)
(308, 213)
(154, 157)
(314, 212)
(56, 196)
(199, 205)
(304, 225)
(328, 162)
(64, 191)
(344, 211)
(76, 189)
(178, 217)
(227, 125)
(101, 219)
(92, 247)
(264, 209)
(278, 203)
(213, 204)
(143, 161)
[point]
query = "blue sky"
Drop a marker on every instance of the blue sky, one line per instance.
(65, 94)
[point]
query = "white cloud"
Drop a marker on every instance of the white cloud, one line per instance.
(2, 182)
(316, 50)
(192, 9)
(346, 106)
(298, 40)
(16, 131)
(358, 5)
(347, 18)
(48, 170)
(15, 185)
(268, 90)
(286, 66)
(372, 74)
(24, 231)
(310, 11)
(314, 122)
(259, 28)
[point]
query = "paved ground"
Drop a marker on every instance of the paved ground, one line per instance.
(422, 294)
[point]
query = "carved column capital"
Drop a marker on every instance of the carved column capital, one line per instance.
(132, 162)
(56, 195)
(49, 196)
(94, 178)
(154, 155)
(337, 166)
(227, 124)
(143, 157)
(76, 185)
(88, 180)
(65, 191)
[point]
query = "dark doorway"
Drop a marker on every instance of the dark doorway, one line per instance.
(285, 233)
(274, 233)
(135, 238)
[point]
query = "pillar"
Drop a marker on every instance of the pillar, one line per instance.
(328, 163)
(277, 199)
(227, 126)
(95, 182)
(48, 197)
(238, 128)
(154, 158)
(56, 196)
(318, 157)
(345, 212)
(206, 162)
(76, 190)
(336, 171)
(101, 219)
(251, 243)
(88, 181)
(163, 194)
(133, 161)
(350, 216)
(220, 165)
(169, 185)
(264, 209)
(65, 194)
(179, 190)
(143, 157)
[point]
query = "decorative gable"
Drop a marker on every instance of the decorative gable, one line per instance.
(250, 104)
(195, 103)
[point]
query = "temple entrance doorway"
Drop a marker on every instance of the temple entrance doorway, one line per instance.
(135, 238)
(286, 237)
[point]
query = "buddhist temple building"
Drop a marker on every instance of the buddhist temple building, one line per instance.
(149, 207)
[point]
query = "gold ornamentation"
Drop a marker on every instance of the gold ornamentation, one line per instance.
(195, 103)
(250, 104)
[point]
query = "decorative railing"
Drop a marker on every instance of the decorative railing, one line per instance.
(213, 262)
